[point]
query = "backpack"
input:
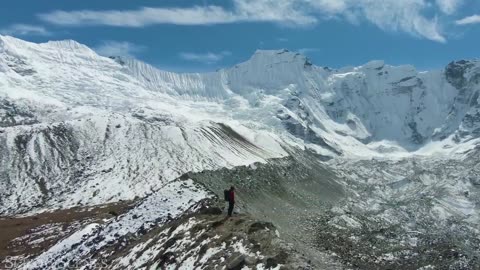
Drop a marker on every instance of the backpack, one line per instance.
(226, 195)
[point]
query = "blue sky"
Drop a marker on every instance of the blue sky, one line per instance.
(188, 36)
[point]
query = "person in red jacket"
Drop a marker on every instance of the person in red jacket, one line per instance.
(231, 200)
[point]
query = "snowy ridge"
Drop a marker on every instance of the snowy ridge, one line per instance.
(193, 85)
(265, 70)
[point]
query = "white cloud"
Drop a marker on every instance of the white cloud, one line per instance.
(394, 15)
(330, 6)
(449, 6)
(24, 30)
(207, 58)
(118, 48)
(474, 19)
(142, 17)
(286, 12)
(390, 15)
(279, 11)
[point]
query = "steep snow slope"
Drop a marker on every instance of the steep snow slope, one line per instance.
(103, 159)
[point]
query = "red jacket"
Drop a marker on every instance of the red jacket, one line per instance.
(232, 196)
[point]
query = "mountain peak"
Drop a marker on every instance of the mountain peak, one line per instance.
(375, 64)
(15, 44)
(282, 54)
(67, 44)
(272, 52)
(271, 58)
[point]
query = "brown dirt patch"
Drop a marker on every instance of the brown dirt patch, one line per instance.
(31, 235)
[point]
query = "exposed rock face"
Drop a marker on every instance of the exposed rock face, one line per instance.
(12, 115)
(456, 73)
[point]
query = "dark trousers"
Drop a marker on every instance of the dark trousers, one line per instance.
(230, 208)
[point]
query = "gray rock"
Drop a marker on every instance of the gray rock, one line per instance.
(250, 260)
(236, 261)
(455, 73)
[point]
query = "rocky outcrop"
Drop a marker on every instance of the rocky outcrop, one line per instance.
(456, 73)
(12, 114)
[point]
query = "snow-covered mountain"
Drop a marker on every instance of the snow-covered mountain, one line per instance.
(72, 119)
(79, 129)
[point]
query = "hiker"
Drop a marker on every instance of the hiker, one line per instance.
(230, 197)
